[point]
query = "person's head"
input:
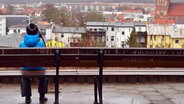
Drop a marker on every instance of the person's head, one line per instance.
(32, 29)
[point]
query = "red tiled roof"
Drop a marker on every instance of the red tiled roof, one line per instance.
(163, 21)
(121, 17)
(114, 17)
(4, 10)
(43, 23)
(176, 9)
(28, 11)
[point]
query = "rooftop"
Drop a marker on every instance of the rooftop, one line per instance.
(176, 9)
(118, 24)
(11, 40)
(70, 30)
(172, 30)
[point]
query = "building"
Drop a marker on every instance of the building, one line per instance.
(2, 25)
(96, 32)
(88, 7)
(141, 31)
(166, 31)
(113, 34)
(131, 14)
(17, 29)
(9, 20)
(168, 36)
(166, 9)
(46, 30)
(70, 36)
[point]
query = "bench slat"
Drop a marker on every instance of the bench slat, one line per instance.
(88, 57)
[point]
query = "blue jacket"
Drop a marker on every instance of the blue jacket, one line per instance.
(31, 41)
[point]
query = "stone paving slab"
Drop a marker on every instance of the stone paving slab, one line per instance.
(113, 93)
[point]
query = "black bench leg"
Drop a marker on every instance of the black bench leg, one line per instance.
(98, 80)
(101, 61)
(57, 64)
(95, 90)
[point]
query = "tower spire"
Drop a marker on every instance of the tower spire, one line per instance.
(162, 7)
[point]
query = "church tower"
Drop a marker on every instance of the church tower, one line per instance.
(162, 7)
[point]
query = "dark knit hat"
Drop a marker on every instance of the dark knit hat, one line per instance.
(32, 29)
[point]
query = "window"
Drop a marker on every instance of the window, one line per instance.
(112, 29)
(140, 28)
(15, 31)
(151, 37)
(112, 38)
(154, 37)
(176, 41)
(62, 35)
(123, 33)
(101, 30)
(163, 38)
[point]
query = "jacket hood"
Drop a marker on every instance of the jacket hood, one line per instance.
(31, 40)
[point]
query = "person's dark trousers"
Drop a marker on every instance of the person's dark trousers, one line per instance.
(26, 87)
(43, 86)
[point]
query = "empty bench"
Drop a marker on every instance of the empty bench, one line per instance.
(92, 57)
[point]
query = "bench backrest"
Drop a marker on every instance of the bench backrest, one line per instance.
(88, 57)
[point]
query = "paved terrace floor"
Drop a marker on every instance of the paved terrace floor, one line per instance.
(113, 93)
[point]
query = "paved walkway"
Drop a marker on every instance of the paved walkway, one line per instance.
(160, 93)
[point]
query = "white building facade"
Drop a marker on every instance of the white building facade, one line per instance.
(2, 25)
(46, 31)
(116, 34)
(17, 29)
(68, 35)
(8, 20)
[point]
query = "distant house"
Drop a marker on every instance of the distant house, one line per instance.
(70, 36)
(45, 30)
(17, 29)
(96, 31)
(10, 20)
(141, 31)
(168, 36)
(112, 34)
(131, 14)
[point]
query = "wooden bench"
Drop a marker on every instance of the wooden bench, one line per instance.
(92, 57)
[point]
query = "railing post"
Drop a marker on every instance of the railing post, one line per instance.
(100, 78)
(57, 64)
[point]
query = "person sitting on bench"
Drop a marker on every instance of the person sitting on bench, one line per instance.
(32, 39)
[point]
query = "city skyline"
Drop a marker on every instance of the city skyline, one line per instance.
(82, 1)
